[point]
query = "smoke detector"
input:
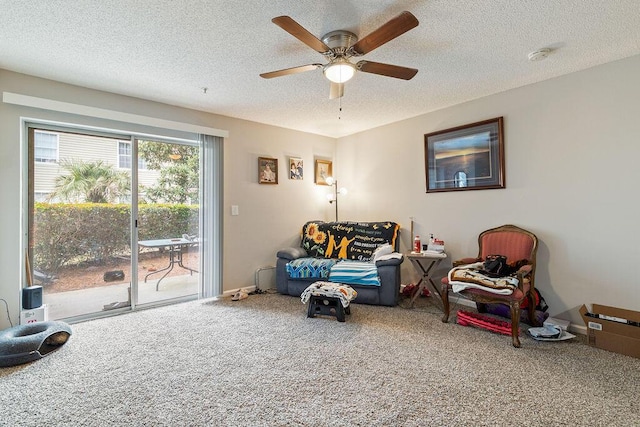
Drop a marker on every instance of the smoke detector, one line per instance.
(539, 55)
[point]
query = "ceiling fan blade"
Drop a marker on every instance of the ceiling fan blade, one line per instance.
(336, 90)
(387, 70)
(287, 71)
(389, 31)
(298, 31)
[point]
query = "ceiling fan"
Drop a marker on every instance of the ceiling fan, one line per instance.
(339, 46)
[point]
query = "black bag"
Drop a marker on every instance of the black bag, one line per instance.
(496, 266)
(112, 276)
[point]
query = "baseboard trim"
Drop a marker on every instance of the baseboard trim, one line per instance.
(577, 329)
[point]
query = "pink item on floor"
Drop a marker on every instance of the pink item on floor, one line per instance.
(466, 318)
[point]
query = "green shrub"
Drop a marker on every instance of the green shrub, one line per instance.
(66, 234)
(160, 221)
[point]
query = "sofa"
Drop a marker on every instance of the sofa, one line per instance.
(363, 255)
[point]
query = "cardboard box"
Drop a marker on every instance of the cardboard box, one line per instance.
(40, 314)
(613, 335)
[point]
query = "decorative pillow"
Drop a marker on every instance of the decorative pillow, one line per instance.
(304, 268)
(382, 250)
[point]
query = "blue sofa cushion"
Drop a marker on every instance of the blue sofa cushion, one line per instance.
(306, 268)
(355, 273)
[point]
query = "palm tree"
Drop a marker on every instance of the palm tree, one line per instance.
(94, 182)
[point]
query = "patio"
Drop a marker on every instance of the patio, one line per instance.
(79, 290)
(80, 302)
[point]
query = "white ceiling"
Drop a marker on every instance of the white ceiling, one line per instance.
(168, 50)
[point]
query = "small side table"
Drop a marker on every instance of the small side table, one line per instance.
(426, 265)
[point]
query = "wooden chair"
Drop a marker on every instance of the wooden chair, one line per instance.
(516, 244)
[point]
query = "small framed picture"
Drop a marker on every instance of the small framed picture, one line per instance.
(323, 171)
(296, 169)
(267, 170)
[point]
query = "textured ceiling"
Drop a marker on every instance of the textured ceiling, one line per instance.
(168, 50)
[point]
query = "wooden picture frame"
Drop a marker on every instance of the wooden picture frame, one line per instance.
(267, 170)
(296, 168)
(469, 157)
(323, 170)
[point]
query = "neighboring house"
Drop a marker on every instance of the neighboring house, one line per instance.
(51, 148)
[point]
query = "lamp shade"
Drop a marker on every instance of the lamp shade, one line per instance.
(339, 71)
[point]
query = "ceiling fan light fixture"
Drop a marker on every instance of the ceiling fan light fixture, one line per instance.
(339, 71)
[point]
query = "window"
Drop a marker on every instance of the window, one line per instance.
(46, 147)
(124, 156)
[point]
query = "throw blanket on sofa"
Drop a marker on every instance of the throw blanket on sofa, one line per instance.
(355, 273)
(470, 276)
(304, 268)
(347, 240)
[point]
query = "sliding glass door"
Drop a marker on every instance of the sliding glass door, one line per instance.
(114, 220)
(168, 190)
(79, 234)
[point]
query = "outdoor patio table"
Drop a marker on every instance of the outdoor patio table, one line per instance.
(175, 247)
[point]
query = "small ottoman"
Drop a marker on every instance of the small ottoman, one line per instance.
(329, 299)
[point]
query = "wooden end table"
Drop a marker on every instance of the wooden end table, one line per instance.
(426, 265)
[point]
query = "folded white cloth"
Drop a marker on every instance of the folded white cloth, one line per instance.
(381, 251)
(434, 254)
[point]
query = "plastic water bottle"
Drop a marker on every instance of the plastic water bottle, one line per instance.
(417, 246)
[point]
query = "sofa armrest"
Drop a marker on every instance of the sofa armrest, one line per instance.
(390, 261)
(389, 273)
(291, 253)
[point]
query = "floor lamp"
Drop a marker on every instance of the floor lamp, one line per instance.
(333, 198)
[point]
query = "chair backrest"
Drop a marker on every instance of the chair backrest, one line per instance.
(513, 242)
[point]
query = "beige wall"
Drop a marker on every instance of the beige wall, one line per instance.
(572, 148)
(270, 215)
(572, 145)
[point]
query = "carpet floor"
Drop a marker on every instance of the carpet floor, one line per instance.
(262, 362)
